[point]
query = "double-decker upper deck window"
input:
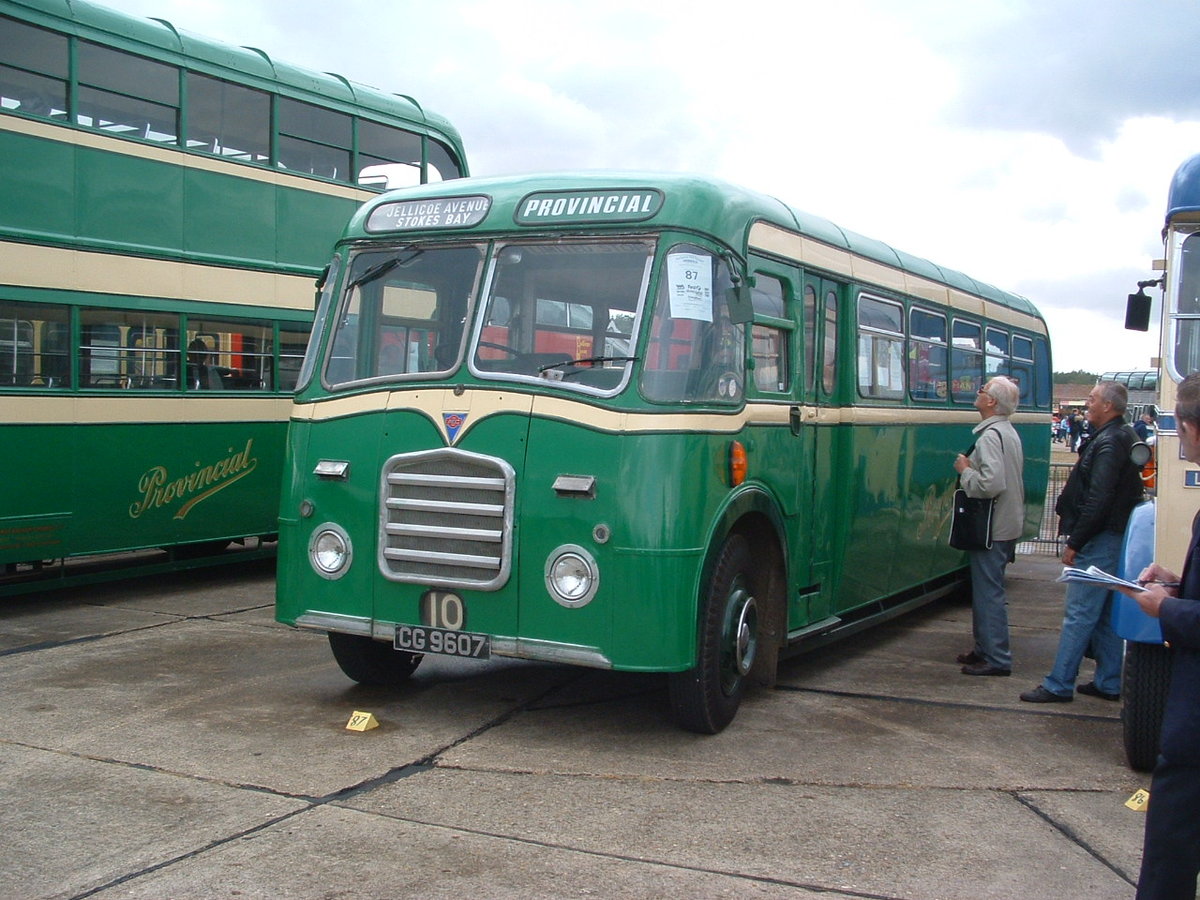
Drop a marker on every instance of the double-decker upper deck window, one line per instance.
(880, 348)
(228, 119)
(33, 76)
(927, 355)
(387, 157)
(127, 95)
(314, 140)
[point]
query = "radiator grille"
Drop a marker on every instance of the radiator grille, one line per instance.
(446, 519)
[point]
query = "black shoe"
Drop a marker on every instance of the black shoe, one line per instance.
(969, 659)
(1040, 695)
(985, 669)
(1092, 691)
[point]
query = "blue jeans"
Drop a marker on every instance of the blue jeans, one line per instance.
(989, 606)
(1087, 622)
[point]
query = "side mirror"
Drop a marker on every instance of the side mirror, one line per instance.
(1137, 312)
(741, 306)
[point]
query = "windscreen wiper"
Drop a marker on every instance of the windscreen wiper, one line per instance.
(380, 269)
(587, 359)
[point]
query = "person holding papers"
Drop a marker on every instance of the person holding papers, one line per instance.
(1171, 851)
(1093, 509)
(992, 468)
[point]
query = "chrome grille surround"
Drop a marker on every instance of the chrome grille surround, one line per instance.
(445, 519)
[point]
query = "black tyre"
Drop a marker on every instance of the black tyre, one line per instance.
(372, 662)
(1144, 688)
(706, 698)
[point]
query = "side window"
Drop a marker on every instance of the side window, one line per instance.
(228, 120)
(809, 318)
(1041, 368)
(966, 361)
(695, 353)
(128, 349)
(927, 355)
(829, 365)
(313, 140)
(33, 345)
(1021, 368)
(127, 95)
(880, 348)
(997, 352)
(1185, 306)
(769, 336)
(230, 355)
(33, 77)
(387, 157)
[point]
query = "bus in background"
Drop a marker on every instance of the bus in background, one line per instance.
(638, 422)
(167, 203)
(1177, 499)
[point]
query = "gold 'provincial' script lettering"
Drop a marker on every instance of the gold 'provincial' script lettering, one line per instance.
(158, 489)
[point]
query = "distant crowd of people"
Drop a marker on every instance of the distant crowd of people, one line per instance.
(1072, 428)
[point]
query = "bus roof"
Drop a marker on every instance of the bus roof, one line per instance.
(689, 201)
(1184, 194)
(159, 39)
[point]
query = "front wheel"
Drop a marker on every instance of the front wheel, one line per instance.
(1144, 687)
(372, 662)
(705, 698)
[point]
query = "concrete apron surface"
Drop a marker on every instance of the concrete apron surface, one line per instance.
(167, 738)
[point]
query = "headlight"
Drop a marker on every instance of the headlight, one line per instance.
(572, 576)
(329, 551)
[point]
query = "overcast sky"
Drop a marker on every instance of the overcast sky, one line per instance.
(1027, 143)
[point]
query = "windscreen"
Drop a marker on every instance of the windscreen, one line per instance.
(563, 311)
(403, 312)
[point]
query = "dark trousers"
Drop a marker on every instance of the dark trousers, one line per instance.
(1171, 852)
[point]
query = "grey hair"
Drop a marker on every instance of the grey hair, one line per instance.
(1006, 394)
(1115, 393)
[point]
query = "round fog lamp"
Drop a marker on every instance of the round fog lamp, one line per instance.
(329, 551)
(572, 576)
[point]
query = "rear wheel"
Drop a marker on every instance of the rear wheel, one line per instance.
(372, 662)
(706, 698)
(1144, 688)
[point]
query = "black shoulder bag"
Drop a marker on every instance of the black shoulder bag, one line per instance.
(971, 522)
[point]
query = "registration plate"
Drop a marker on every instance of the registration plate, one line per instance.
(420, 639)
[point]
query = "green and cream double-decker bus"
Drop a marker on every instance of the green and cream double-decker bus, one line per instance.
(639, 422)
(166, 205)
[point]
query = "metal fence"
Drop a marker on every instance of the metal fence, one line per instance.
(1048, 541)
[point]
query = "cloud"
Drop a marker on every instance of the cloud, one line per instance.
(1076, 69)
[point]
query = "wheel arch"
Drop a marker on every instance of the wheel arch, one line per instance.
(755, 514)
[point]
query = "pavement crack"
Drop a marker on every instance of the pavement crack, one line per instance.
(1073, 836)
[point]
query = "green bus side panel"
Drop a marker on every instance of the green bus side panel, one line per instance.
(74, 194)
(309, 224)
(42, 200)
(226, 213)
(122, 487)
(128, 200)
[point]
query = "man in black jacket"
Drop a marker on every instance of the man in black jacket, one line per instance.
(1171, 854)
(1093, 510)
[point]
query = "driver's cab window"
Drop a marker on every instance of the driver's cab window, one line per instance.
(695, 352)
